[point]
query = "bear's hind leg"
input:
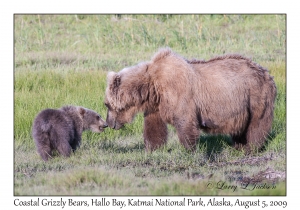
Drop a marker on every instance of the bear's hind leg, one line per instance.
(188, 134)
(253, 137)
(155, 131)
(261, 109)
(44, 151)
(256, 135)
(64, 149)
(43, 145)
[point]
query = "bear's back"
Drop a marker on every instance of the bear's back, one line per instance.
(226, 86)
(52, 120)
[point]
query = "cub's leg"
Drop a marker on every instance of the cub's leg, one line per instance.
(42, 141)
(62, 144)
(45, 151)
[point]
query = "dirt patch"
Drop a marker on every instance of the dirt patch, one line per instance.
(268, 175)
(246, 161)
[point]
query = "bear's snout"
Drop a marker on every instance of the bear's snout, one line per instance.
(105, 125)
(114, 125)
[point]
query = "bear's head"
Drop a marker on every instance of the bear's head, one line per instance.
(91, 120)
(126, 94)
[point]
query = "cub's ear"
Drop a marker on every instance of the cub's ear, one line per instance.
(81, 110)
(114, 81)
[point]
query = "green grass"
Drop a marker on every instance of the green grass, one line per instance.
(63, 59)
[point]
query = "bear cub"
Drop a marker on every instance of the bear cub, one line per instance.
(61, 129)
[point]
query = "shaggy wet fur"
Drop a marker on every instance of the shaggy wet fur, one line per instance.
(61, 129)
(228, 94)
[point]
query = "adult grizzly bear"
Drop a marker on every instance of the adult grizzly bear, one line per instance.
(229, 94)
(61, 129)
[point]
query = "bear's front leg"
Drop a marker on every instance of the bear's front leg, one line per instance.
(75, 143)
(188, 134)
(155, 131)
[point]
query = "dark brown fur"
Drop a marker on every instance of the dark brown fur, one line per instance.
(228, 94)
(61, 129)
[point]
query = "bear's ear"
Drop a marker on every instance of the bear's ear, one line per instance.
(81, 110)
(114, 81)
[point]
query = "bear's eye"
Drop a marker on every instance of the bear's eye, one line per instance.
(98, 117)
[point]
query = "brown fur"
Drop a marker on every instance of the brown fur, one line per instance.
(61, 129)
(228, 94)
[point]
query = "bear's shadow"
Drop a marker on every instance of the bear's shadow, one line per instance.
(217, 143)
(213, 143)
(128, 147)
(269, 140)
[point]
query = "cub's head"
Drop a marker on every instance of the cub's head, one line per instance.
(92, 120)
(125, 93)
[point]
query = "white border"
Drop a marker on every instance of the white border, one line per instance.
(154, 6)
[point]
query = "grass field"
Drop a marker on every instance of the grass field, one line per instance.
(63, 59)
